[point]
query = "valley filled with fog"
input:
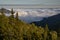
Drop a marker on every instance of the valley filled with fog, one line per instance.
(31, 15)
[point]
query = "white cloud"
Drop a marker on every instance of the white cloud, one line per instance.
(29, 15)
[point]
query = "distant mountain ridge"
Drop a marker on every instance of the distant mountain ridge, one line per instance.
(53, 22)
(5, 10)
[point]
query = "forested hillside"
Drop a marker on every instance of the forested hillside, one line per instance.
(11, 28)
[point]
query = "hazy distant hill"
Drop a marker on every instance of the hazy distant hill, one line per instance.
(53, 22)
(5, 10)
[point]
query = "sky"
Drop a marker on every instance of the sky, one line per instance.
(30, 2)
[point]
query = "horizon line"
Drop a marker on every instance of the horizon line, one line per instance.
(26, 5)
(29, 6)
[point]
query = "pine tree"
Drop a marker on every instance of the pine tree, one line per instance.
(17, 16)
(12, 13)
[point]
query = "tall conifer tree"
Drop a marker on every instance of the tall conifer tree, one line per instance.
(12, 13)
(17, 15)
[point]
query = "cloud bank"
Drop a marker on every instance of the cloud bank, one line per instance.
(30, 15)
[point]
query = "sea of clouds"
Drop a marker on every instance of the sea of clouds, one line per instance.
(30, 15)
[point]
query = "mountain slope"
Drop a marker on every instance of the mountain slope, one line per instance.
(53, 22)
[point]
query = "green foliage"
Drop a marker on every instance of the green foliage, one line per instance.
(53, 35)
(46, 32)
(13, 29)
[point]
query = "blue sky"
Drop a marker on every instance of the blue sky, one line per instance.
(42, 2)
